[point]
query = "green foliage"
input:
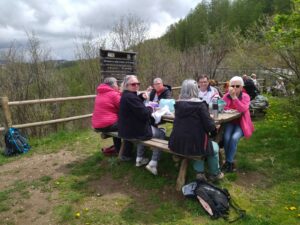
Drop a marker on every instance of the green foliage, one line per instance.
(209, 16)
(284, 38)
(285, 33)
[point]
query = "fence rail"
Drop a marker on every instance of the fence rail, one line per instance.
(5, 104)
(36, 101)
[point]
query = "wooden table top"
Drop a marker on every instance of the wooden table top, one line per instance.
(222, 117)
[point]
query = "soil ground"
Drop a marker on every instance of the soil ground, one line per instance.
(35, 206)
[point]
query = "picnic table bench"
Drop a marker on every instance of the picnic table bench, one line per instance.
(163, 145)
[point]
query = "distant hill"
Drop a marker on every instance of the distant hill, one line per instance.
(61, 63)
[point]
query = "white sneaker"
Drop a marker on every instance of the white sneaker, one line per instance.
(152, 169)
(141, 162)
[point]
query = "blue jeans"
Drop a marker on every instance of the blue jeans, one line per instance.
(232, 134)
(157, 133)
(212, 161)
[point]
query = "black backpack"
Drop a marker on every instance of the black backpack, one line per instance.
(215, 201)
(15, 142)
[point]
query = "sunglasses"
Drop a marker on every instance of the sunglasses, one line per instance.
(135, 84)
(237, 86)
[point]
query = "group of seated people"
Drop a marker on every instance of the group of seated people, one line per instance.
(124, 110)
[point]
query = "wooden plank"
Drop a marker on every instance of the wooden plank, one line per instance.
(51, 121)
(37, 101)
(6, 111)
(222, 117)
(158, 143)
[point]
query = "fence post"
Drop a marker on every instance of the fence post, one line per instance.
(6, 112)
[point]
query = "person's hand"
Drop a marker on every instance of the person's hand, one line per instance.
(149, 89)
(145, 95)
(232, 92)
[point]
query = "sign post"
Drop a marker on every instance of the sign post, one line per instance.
(117, 64)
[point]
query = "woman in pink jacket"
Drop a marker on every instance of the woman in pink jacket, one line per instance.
(238, 100)
(106, 108)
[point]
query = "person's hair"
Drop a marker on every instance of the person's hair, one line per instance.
(213, 83)
(157, 80)
(110, 81)
(253, 75)
(236, 78)
(189, 89)
(126, 80)
(202, 76)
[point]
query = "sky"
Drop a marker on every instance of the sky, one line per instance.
(57, 23)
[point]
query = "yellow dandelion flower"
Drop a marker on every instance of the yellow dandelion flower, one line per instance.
(293, 208)
(77, 215)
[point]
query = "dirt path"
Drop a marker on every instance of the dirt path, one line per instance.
(31, 205)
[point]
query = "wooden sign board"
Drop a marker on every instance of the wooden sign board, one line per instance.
(117, 63)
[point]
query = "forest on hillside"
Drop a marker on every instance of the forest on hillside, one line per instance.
(221, 38)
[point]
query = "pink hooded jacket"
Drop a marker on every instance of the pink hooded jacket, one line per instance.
(241, 104)
(106, 106)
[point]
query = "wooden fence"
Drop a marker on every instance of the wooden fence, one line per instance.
(5, 103)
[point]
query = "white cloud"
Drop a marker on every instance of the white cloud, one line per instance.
(58, 22)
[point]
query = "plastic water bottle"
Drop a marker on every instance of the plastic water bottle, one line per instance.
(210, 108)
(215, 108)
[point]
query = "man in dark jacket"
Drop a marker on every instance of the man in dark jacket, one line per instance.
(160, 90)
(135, 122)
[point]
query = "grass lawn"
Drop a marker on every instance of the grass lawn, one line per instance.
(66, 180)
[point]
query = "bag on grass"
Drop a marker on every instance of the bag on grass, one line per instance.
(109, 151)
(215, 201)
(15, 142)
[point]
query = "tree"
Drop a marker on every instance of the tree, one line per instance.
(128, 31)
(87, 52)
(284, 38)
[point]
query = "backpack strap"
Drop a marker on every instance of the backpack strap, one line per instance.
(241, 212)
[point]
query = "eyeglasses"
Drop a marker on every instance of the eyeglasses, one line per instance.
(135, 84)
(156, 83)
(203, 82)
(237, 86)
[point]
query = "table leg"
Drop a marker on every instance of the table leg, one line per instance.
(182, 174)
(121, 150)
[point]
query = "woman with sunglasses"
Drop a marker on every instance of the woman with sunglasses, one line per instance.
(135, 121)
(238, 100)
